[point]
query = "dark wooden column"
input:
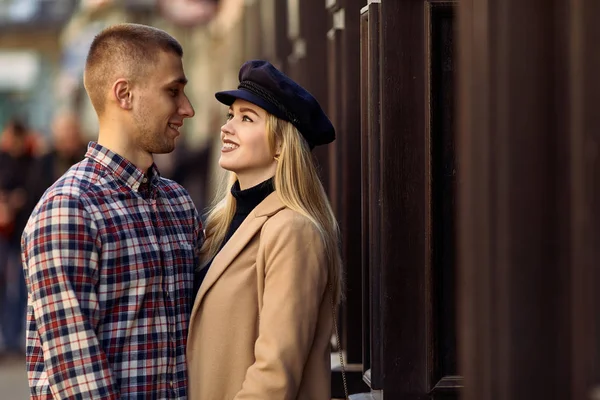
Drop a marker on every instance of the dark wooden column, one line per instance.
(584, 99)
(529, 237)
(403, 298)
(408, 175)
(307, 59)
(442, 168)
(343, 40)
(282, 43)
(273, 32)
(371, 192)
(254, 45)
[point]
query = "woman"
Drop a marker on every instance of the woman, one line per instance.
(270, 276)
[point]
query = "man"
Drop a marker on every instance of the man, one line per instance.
(110, 249)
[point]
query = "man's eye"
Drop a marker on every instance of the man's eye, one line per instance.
(174, 92)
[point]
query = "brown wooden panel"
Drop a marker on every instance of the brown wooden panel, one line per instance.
(410, 200)
(253, 45)
(282, 43)
(349, 96)
(584, 32)
(335, 112)
(442, 172)
(307, 60)
(344, 106)
(365, 189)
(403, 202)
(374, 195)
(518, 261)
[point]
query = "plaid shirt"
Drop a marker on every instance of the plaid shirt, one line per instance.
(109, 260)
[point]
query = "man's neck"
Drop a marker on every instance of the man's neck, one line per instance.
(141, 159)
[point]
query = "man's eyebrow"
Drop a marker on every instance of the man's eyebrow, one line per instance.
(181, 80)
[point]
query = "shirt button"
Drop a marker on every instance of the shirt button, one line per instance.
(145, 180)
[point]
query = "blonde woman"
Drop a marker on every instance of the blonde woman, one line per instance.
(269, 279)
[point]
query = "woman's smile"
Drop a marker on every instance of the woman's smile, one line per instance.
(229, 146)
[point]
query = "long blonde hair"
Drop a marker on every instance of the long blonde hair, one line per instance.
(299, 188)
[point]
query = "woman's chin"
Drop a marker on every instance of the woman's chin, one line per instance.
(225, 165)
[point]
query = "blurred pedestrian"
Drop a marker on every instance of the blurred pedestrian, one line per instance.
(16, 162)
(110, 249)
(67, 147)
(270, 278)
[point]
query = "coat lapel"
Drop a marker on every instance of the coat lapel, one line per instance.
(249, 227)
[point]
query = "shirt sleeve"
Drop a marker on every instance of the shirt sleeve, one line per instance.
(295, 281)
(61, 258)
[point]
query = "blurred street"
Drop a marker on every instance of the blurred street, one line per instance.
(13, 378)
(46, 119)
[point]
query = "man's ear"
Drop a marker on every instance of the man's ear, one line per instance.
(122, 94)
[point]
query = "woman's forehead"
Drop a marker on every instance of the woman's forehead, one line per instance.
(241, 104)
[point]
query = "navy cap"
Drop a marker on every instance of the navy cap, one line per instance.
(267, 87)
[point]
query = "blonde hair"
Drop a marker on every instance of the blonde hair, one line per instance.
(299, 188)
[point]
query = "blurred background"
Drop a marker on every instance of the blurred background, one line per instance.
(464, 175)
(46, 119)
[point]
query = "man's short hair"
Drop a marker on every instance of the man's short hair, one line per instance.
(123, 50)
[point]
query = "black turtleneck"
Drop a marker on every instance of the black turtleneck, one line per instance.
(245, 201)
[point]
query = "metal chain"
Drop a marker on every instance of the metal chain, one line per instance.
(337, 338)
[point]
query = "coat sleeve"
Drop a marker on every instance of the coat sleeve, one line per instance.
(295, 281)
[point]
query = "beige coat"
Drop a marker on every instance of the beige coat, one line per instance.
(262, 320)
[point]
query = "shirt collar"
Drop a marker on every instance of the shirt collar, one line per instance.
(120, 167)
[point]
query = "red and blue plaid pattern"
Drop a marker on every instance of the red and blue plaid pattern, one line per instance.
(109, 263)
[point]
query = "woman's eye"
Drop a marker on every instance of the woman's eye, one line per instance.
(246, 118)
(229, 116)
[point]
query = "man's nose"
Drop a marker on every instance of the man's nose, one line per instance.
(187, 110)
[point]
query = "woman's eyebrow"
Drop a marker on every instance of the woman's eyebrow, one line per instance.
(246, 109)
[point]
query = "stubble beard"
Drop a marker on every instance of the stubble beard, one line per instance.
(154, 142)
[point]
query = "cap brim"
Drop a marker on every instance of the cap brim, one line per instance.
(229, 96)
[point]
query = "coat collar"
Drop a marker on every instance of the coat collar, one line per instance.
(247, 230)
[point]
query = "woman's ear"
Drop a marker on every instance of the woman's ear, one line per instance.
(122, 94)
(277, 151)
